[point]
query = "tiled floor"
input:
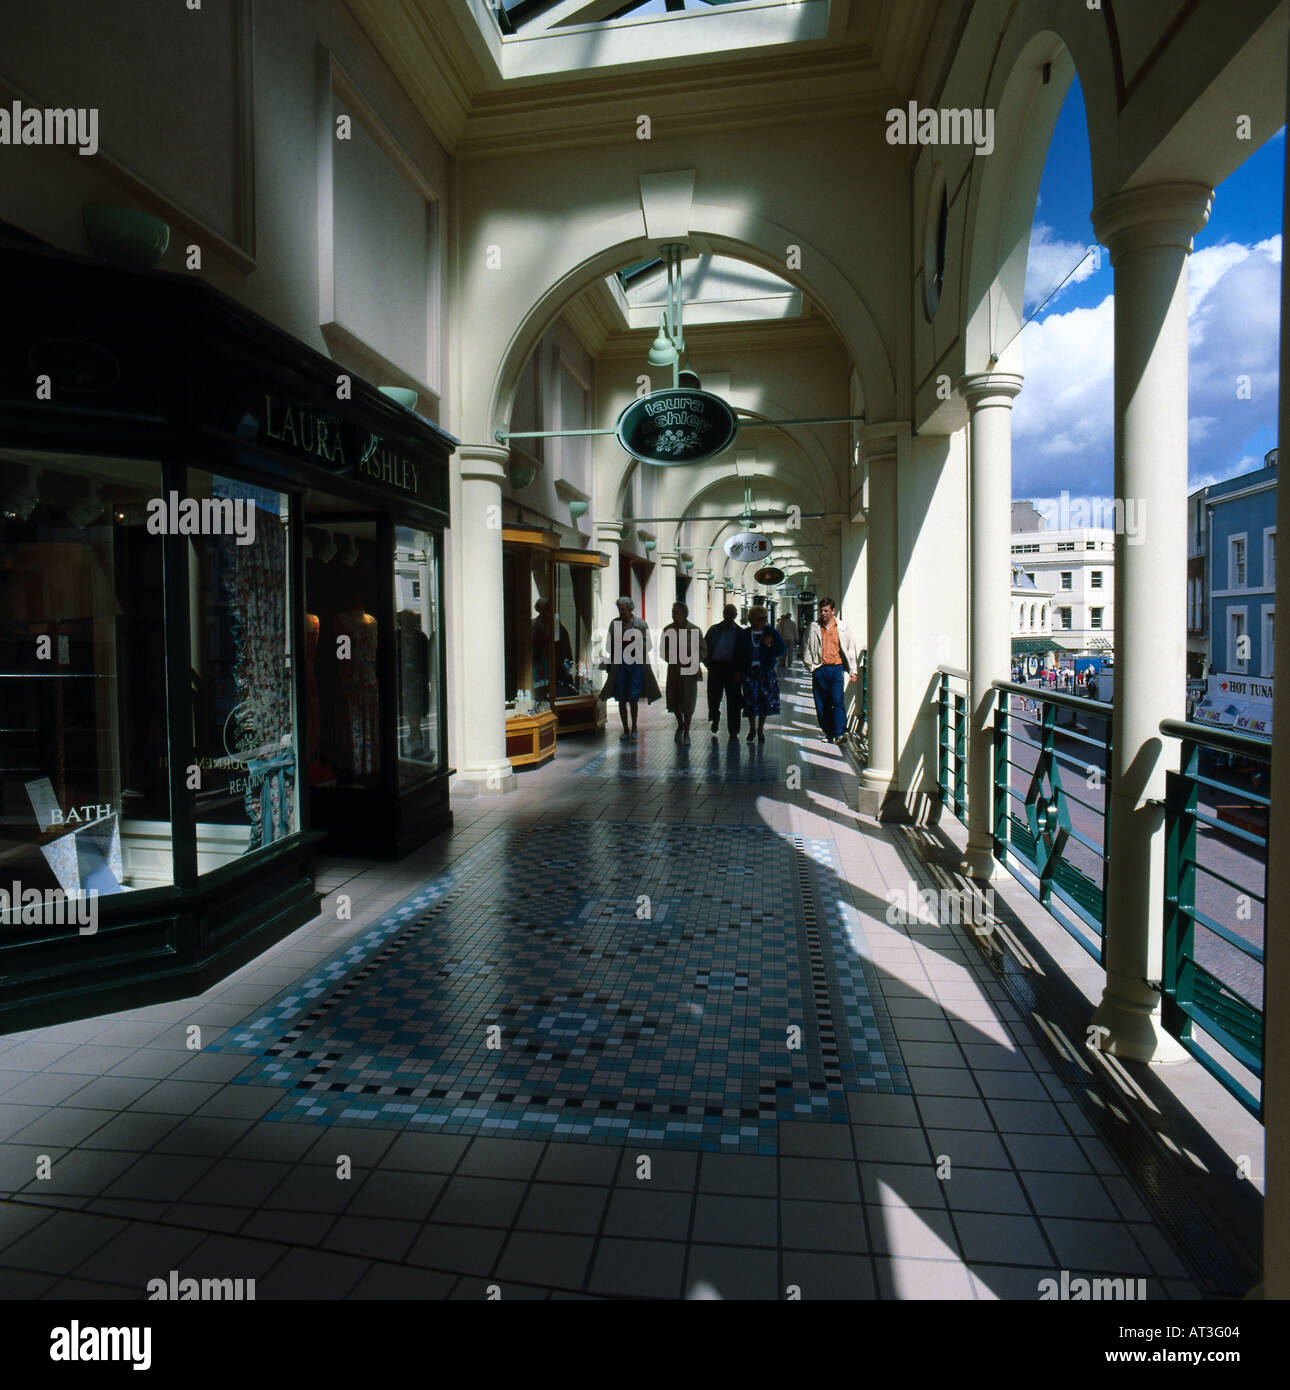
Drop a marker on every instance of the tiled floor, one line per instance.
(685, 954)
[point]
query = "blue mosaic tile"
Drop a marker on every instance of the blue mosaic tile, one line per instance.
(640, 981)
(721, 760)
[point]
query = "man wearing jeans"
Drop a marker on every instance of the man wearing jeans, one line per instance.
(833, 660)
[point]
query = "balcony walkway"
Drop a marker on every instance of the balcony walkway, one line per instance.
(639, 1028)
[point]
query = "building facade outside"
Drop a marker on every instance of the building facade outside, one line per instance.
(1242, 556)
(1076, 566)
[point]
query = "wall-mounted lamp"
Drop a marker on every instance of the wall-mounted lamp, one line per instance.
(577, 507)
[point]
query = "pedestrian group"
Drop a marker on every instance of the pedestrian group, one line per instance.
(743, 665)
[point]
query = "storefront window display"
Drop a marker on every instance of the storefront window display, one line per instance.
(84, 799)
(530, 634)
(241, 667)
(574, 674)
(417, 619)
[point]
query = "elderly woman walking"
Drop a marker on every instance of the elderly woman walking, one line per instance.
(627, 649)
(757, 649)
(682, 646)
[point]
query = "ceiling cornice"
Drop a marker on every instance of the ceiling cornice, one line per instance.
(474, 114)
(712, 340)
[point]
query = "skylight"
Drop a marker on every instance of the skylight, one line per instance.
(533, 38)
(716, 289)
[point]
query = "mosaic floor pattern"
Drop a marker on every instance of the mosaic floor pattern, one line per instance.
(597, 982)
(658, 758)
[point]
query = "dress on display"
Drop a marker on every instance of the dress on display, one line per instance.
(357, 695)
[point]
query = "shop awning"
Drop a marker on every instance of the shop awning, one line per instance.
(1037, 646)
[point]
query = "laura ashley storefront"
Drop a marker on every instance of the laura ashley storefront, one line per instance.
(221, 630)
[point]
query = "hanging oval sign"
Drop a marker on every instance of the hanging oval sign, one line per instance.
(770, 576)
(676, 426)
(747, 545)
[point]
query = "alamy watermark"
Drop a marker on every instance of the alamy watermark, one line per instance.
(943, 907)
(207, 516)
(50, 125)
(965, 125)
(1079, 1289)
(173, 1288)
(1126, 516)
(49, 907)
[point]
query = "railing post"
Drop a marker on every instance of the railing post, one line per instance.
(999, 801)
(960, 755)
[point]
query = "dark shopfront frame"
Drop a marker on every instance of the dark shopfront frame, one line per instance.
(163, 368)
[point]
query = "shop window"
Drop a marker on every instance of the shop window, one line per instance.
(84, 765)
(573, 611)
(530, 655)
(417, 619)
(241, 673)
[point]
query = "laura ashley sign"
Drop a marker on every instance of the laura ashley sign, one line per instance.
(324, 437)
(676, 426)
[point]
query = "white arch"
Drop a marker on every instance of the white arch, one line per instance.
(595, 247)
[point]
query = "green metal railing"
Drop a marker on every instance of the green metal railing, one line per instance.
(1052, 793)
(1052, 786)
(952, 740)
(1216, 818)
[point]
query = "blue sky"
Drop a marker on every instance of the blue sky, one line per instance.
(1062, 427)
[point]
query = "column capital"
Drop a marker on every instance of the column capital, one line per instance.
(487, 461)
(670, 558)
(989, 388)
(705, 575)
(883, 439)
(608, 532)
(1155, 214)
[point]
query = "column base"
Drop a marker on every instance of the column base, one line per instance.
(979, 862)
(880, 798)
(1131, 1015)
(488, 779)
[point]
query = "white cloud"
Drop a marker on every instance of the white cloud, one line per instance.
(1050, 261)
(1063, 418)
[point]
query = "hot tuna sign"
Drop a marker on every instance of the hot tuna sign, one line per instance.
(748, 545)
(676, 426)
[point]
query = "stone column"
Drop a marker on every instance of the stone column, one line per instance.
(989, 398)
(700, 600)
(665, 591)
(605, 582)
(880, 446)
(478, 531)
(1148, 231)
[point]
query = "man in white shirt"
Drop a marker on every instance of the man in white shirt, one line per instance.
(833, 660)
